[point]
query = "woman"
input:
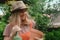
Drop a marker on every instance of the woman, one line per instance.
(20, 22)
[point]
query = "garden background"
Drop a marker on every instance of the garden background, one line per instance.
(40, 10)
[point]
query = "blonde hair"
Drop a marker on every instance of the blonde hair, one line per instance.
(15, 18)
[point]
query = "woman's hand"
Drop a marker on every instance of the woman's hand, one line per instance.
(14, 30)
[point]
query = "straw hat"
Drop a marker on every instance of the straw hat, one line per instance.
(18, 5)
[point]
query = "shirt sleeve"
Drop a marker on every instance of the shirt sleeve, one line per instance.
(7, 30)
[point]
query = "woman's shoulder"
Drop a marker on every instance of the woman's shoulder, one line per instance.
(9, 25)
(32, 23)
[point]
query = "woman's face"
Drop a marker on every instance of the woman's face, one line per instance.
(22, 14)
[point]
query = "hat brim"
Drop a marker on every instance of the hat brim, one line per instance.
(16, 10)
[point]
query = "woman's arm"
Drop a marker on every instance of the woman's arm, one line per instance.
(13, 33)
(37, 33)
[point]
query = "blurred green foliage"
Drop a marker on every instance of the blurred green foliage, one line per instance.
(4, 19)
(53, 35)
